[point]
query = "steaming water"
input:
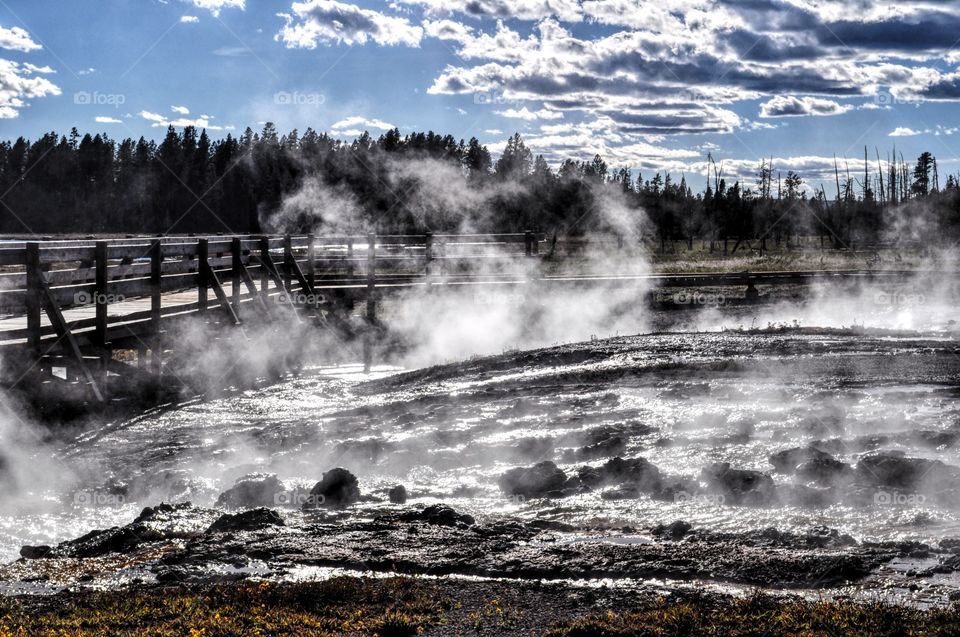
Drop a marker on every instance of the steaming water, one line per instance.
(680, 400)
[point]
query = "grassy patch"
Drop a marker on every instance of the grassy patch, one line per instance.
(761, 616)
(342, 606)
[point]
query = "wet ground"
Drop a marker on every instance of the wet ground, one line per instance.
(820, 461)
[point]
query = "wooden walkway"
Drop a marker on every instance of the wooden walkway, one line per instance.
(80, 301)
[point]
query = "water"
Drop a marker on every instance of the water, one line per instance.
(680, 400)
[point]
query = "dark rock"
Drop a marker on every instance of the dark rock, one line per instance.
(338, 488)
(252, 520)
(638, 472)
(398, 494)
(741, 486)
(825, 471)
(787, 461)
(256, 490)
(551, 525)
(612, 446)
(533, 482)
(35, 552)
(674, 531)
(909, 474)
(440, 515)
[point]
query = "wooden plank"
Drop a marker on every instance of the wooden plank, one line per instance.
(33, 297)
(203, 247)
(156, 273)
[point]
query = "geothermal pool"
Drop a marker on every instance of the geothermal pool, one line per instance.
(682, 401)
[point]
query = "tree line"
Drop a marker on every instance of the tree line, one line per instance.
(188, 183)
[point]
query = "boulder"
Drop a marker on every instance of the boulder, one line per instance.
(440, 515)
(252, 520)
(251, 491)
(673, 531)
(739, 486)
(537, 481)
(909, 474)
(398, 494)
(825, 471)
(35, 552)
(337, 488)
(786, 461)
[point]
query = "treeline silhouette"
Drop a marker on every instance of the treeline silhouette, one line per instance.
(189, 183)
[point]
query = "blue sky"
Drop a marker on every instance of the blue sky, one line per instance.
(647, 84)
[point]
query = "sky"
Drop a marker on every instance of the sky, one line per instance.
(648, 85)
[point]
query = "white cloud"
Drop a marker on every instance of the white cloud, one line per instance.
(17, 39)
(355, 123)
(903, 131)
(493, 131)
(180, 110)
(327, 22)
(182, 122)
(43, 70)
(17, 85)
(108, 120)
(215, 6)
(87, 71)
(189, 19)
(525, 113)
(791, 106)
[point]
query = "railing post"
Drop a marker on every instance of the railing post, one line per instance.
(236, 251)
(100, 303)
(203, 254)
(371, 300)
(427, 253)
(264, 259)
(350, 257)
(287, 260)
(156, 273)
(33, 301)
(528, 241)
(311, 262)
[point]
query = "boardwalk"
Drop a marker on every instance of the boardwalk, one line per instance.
(81, 301)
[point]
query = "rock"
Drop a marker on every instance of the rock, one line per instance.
(35, 552)
(740, 486)
(440, 515)
(398, 494)
(252, 520)
(251, 491)
(825, 471)
(908, 474)
(623, 492)
(674, 531)
(338, 488)
(551, 525)
(787, 461)
(638, 472)
(612, 446)
(534, 482)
